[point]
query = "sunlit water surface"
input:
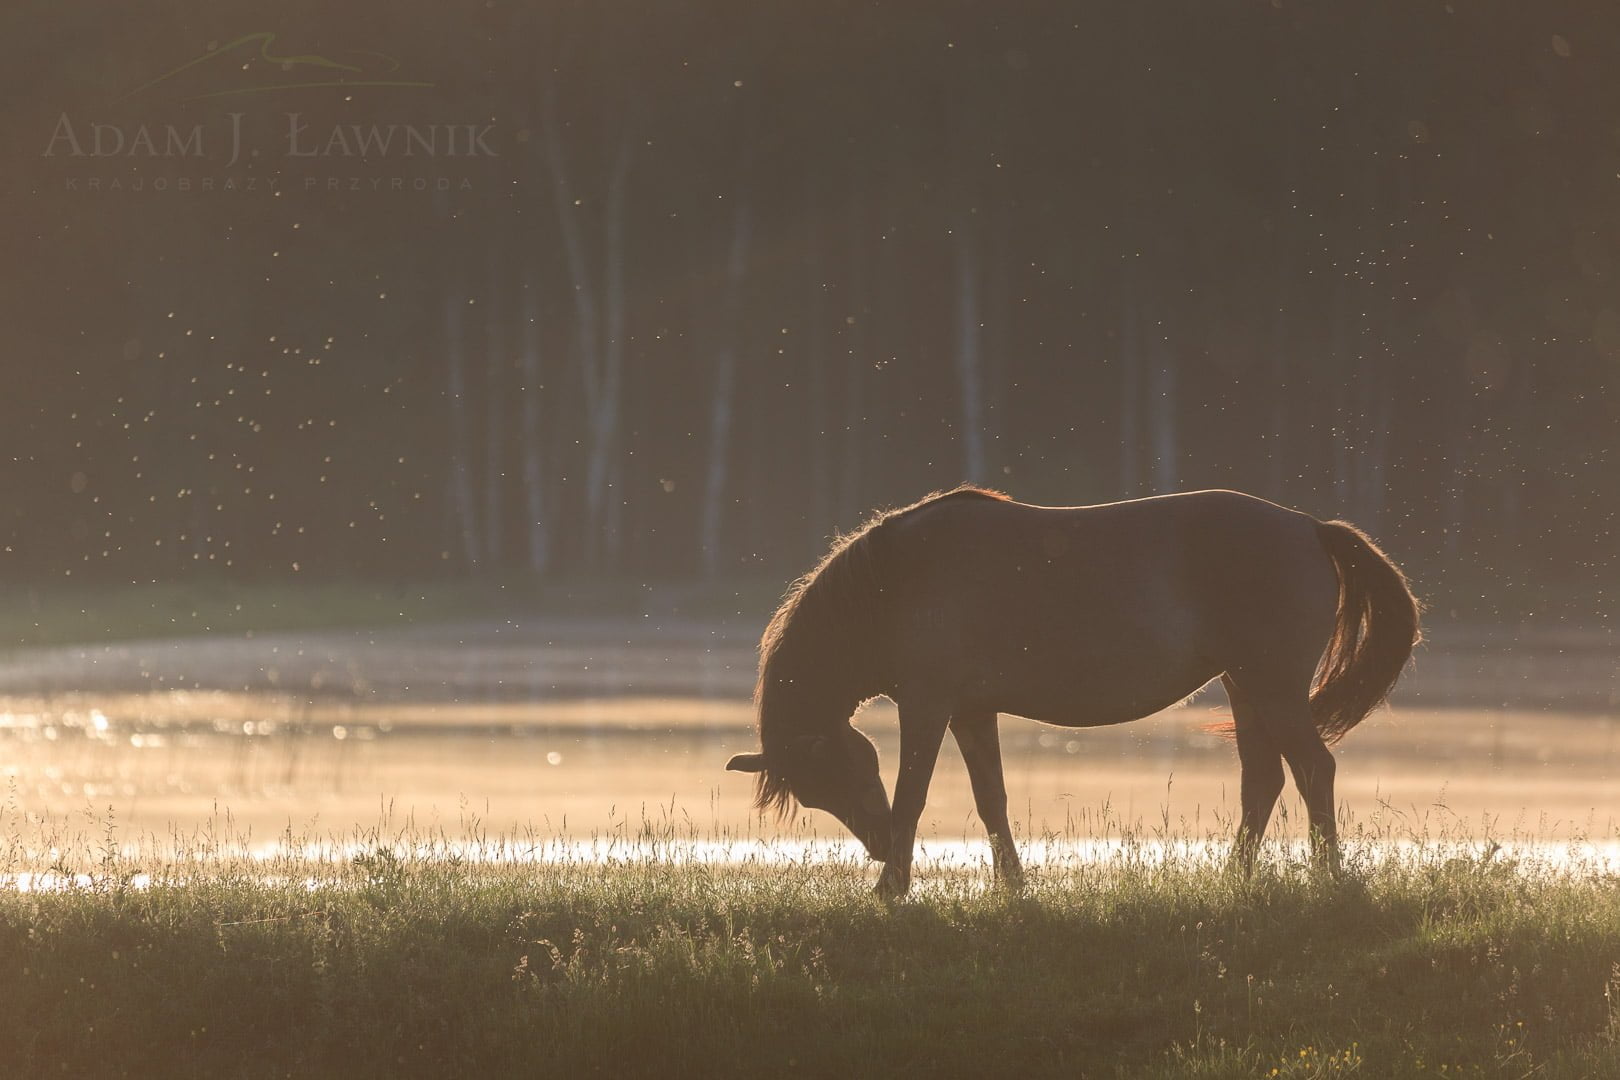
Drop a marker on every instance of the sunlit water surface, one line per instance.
(600, 739)
(591, 778)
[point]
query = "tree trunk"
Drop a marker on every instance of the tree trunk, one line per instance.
(460, 479)
(1166, 449)
(494, 312)
(969, 333)
(1339, 431)
(723, 395)
(1378, 405)
(1276, 479)
(534, 502)
(1129, 359)
(586, 329)
(855, 339)
(600, 334)
(821, 496)
(607, 462)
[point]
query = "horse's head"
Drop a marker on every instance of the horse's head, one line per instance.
(837, 773)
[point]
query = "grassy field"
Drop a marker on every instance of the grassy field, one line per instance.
(406, 959)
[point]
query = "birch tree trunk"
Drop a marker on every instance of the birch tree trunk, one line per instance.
(723, 395)
(821, 509)
(854, 335)
(599, 332)
(1276, 481)
(1340, 373)
(1378, 406)
(534, 501)
(1166, 448)
(969, 336)
(494, 312)
(996, 341)
(1277, 448)
(607, 463)
(1129, 429)
(586, 319)
(459, 476)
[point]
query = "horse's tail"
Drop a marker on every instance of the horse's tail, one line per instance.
(1376, 630)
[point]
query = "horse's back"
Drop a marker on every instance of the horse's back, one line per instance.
(1200, 530)
(1135, 603)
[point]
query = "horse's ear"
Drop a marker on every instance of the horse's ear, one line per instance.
(747, 763)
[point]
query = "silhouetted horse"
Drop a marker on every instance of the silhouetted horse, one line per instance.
(968, 604)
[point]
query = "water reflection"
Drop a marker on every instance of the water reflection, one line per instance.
(573, 768)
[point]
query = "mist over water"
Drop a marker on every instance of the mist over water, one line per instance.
(578, 732)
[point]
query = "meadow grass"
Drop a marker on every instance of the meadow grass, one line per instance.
(404, 955)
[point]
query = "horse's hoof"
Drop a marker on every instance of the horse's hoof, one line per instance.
(891, 886)
(1328, 863)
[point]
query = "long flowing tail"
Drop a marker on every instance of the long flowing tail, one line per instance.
(1376, 631)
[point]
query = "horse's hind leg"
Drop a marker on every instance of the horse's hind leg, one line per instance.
(1261, 774)
(1313, 767)
(980, 742)
(1283, 713)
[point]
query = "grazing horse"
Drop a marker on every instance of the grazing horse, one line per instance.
(968, 604)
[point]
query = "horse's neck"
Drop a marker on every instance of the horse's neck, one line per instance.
(810, 693)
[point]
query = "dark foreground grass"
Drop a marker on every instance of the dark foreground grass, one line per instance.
(434, 965)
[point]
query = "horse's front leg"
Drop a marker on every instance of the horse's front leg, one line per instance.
(922, 729)
(976, 734)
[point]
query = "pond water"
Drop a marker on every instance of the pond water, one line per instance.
(583, 731)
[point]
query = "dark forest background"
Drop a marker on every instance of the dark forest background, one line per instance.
(741, 273)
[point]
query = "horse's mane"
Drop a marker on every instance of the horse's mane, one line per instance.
(823, 645)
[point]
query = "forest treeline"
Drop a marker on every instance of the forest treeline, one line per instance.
(733, 275)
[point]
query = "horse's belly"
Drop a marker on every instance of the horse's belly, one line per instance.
(1086, 661)
(1086, 719)
(1103, 702)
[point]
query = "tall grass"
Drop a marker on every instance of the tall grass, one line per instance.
(398, 952)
